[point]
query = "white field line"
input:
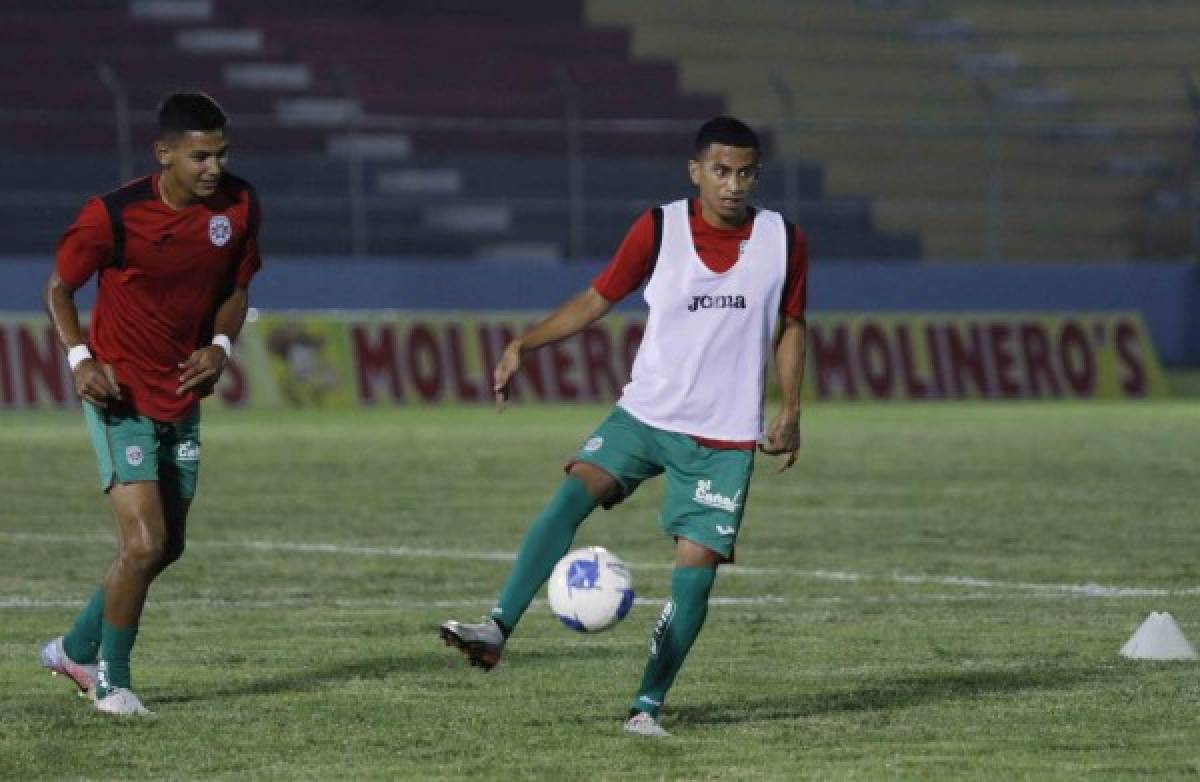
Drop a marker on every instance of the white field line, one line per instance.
(16, 601)
(845, 576)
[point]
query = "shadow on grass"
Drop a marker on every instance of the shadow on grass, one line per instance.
(889, 694)
(309, 679)
(380, 667)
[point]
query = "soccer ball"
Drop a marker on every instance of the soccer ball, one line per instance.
(590, 590)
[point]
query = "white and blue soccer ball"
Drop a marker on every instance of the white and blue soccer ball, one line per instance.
(590, 590)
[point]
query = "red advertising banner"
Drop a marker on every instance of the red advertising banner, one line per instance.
(452, 359)
(398, 358)
(983, 356)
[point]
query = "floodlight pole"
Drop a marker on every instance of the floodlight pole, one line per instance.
(995, 175)
(787, 126)
(356, 178)
(1193, 168)
(995, 223)
(109, 78)
(355, 175)
(573, 131)
(1194, 197)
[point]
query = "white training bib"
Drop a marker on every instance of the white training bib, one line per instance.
(700, 369)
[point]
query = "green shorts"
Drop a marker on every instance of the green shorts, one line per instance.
(707, 488)
(130, 447)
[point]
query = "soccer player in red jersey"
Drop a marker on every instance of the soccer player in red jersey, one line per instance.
(173, 253)
(725, 284)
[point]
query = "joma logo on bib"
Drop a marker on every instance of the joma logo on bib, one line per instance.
(717, 303)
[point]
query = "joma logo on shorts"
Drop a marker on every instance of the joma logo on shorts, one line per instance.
(187, 452)
(717, 303)
(705, 496)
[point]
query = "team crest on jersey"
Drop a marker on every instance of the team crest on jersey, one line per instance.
(134, 455)
(219, 230)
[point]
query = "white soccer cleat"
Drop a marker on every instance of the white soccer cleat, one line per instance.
(55, 659)
(643, 724)
(122, 702)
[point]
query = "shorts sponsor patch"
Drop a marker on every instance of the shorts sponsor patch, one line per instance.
(134, 455)
(187, 451)
(706, 496)
(593, 444)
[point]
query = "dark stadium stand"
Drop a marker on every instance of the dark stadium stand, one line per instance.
(449, 116)
(1049, 130)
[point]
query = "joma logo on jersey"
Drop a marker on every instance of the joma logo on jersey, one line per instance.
(717, 303)
(706, 496)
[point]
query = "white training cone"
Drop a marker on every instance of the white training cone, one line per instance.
(1159, 638)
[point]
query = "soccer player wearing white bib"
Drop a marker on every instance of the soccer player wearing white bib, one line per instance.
(725, 284)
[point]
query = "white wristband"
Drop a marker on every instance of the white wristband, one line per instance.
(225, 343)
(77, 355)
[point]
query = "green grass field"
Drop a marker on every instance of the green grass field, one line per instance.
(934, 592)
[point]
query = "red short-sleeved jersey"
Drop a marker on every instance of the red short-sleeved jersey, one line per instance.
(718, 248)
(163, 273)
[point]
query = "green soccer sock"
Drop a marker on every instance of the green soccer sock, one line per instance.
(82, 641)
(677, 628)
(545, 543)
(116, 644)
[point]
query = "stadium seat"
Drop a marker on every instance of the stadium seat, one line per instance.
(944, 112)
(477, 94)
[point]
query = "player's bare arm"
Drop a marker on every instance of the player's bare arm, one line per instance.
(202, 370)
(574, 315)
(783, 434)
(94, 381)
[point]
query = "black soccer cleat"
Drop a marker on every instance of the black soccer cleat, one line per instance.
(482, 644)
